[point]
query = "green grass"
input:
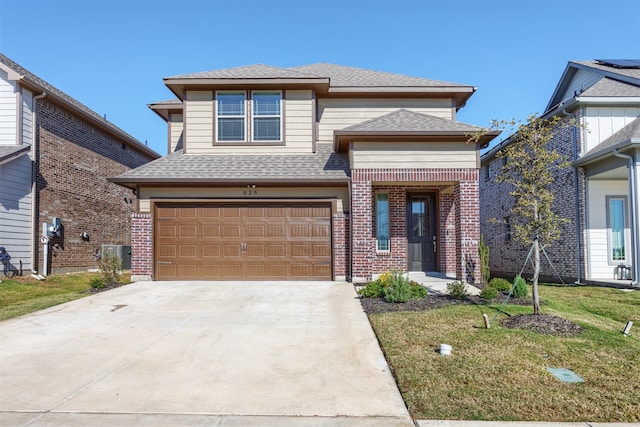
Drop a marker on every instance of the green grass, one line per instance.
(500, 373)
(24, 295)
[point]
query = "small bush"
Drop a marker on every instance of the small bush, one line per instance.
(520, 287)
(457, 290)
(489, 293)
(98, 283)
(110, 266)
(399, 291)
(393, 286)
(500, 284)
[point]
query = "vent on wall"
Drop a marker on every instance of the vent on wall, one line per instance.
(620, 63)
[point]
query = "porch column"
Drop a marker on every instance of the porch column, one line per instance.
(467, 196)
(141, 247)
(362, 243)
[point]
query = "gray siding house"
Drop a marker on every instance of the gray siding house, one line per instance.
(599, 194)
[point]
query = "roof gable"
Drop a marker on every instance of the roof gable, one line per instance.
(595, 72)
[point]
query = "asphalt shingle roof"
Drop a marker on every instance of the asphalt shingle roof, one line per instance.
(45, 86)
(323, 165)
(344, 76)
(405, 121)
(611, 88)
(627, 72)
(8, 151)
(256, 71)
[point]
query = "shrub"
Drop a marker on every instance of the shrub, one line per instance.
(489, 293)
(110, 266)
(500, 284)
(520, 287)
(393, 286)
(457, 290)
(98, 283)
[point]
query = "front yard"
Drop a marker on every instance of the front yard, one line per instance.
(501, 373)
(22, 295)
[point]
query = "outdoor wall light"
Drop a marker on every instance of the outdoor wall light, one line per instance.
(85, 236)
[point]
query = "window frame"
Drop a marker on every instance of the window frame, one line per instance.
(219, 116)
(625, 226)
(380, 226)
(249, 118)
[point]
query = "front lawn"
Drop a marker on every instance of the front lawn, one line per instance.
(22, 295)
(501, 373)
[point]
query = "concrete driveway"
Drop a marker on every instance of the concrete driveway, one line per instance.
(199, 353)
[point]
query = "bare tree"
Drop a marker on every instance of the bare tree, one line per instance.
(530, 167)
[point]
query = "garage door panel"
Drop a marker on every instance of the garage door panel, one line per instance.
(230, 231)
(211, 251)
(235, 242)
(210, 231)
(170, 231)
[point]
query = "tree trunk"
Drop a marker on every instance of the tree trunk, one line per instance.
(536, 274)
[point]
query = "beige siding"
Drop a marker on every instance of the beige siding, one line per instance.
(199, 121)
(602, 122)
(337, 114)
(412, 155)
(297, 130)
(176, 127)
(340, 193)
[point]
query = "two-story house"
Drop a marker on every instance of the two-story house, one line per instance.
(55, 157)
(598, 195)
(319, 172)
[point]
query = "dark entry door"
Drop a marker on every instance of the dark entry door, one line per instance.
(421, 231)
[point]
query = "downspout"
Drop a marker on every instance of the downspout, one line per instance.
(34, 204)
(634, 213)
(574, 137)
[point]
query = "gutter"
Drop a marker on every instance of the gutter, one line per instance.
(34, 195)
(634, 214)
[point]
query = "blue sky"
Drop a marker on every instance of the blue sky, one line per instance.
(112, 55)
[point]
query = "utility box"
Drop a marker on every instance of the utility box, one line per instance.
(121, 251)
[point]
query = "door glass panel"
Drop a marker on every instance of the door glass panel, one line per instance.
(419, 217)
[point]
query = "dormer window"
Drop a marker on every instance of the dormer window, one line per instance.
(260, 119)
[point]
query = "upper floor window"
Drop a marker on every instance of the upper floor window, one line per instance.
(260, 119)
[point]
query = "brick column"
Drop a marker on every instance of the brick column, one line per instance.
(141, 247)
(363, 248)
(448, 234)
(341, 258)
(468, 226)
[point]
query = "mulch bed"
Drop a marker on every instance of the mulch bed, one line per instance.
(543, 323)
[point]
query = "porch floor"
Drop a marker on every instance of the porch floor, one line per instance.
(436, 283)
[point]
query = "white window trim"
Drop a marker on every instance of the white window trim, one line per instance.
(626, 232)
(249, 117)
(378, 241)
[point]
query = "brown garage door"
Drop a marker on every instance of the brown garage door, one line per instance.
(252, 242)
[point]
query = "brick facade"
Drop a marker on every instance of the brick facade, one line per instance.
(458, 232)
(75, 158)
(507, 257)
(141, 246)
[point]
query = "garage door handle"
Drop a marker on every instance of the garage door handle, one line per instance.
(243, 247)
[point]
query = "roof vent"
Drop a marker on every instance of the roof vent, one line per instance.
(620, 63)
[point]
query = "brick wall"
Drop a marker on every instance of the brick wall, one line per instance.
(75, 159)
(341, 258)
(458, 219)
(142, 246)
(507, 257)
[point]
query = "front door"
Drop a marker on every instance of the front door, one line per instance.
(421, 231)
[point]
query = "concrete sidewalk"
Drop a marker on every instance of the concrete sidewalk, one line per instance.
(199, 353)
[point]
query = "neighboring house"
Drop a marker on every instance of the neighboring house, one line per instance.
(320, 172)
(599, 194)
(55, 157)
